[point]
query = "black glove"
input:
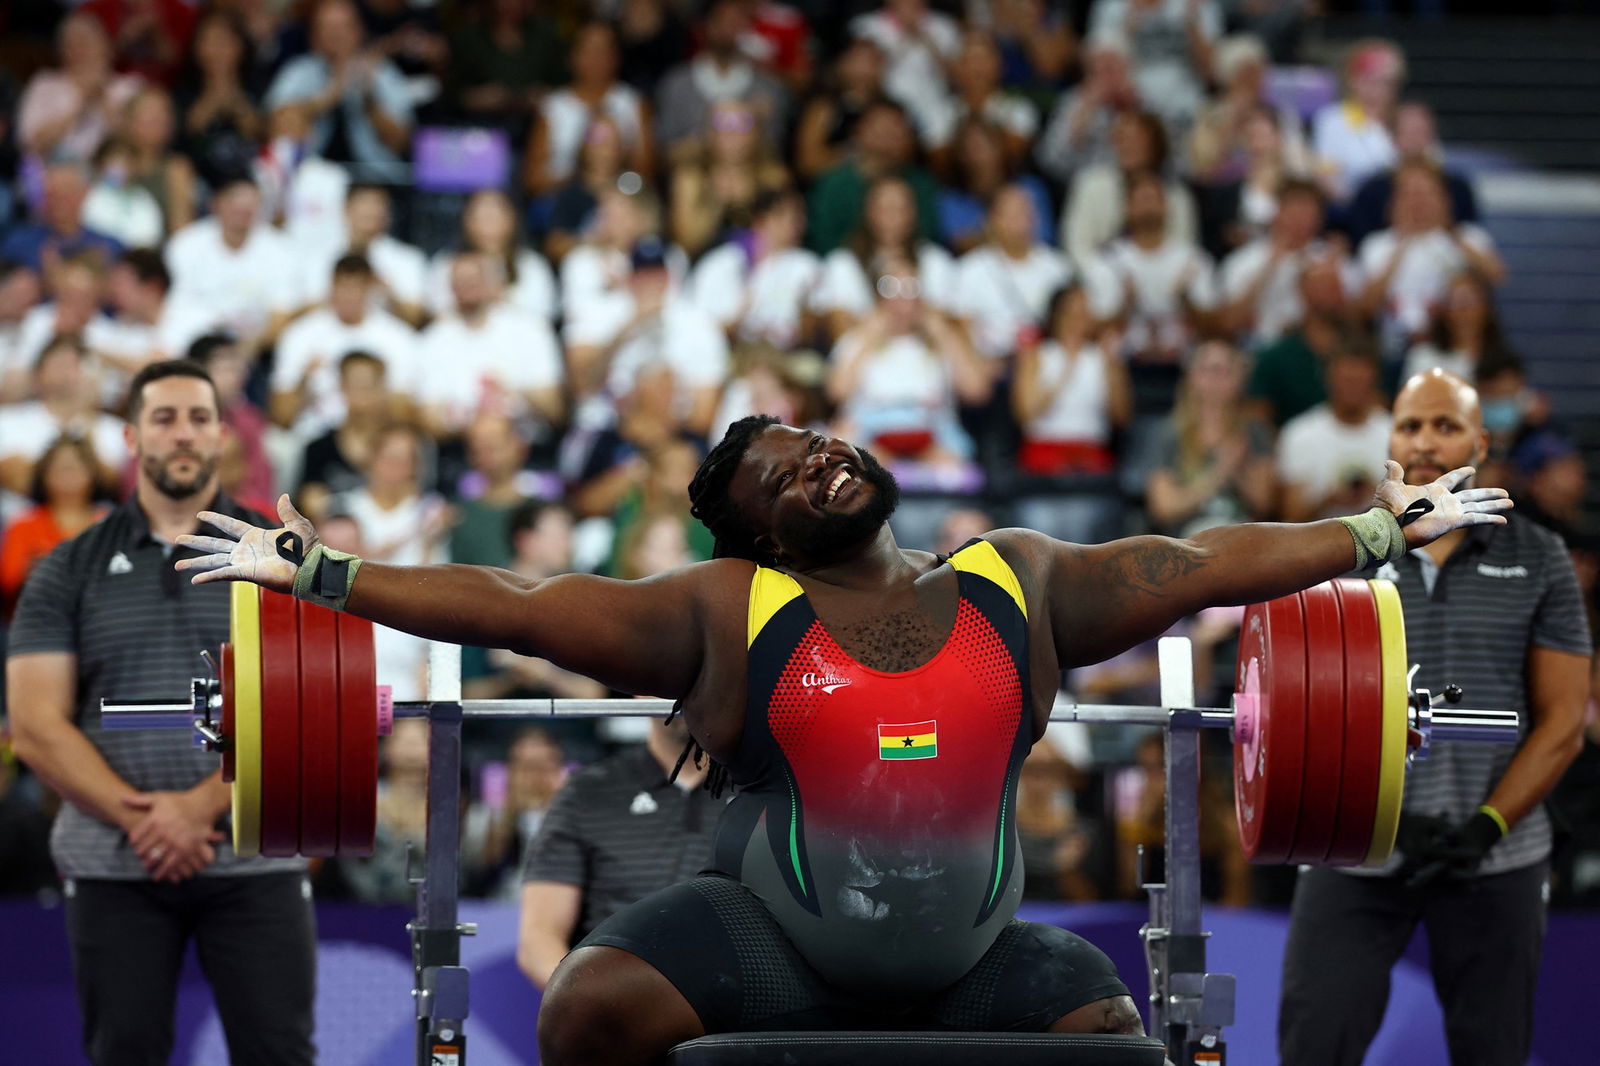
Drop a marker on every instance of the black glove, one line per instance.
(1434, 848)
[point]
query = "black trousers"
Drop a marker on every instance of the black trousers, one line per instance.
(256, 941)
(1485, 935)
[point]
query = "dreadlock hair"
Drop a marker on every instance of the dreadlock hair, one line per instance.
(735, 539)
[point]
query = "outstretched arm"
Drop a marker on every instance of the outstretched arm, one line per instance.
(1106, 598)
(643, 637)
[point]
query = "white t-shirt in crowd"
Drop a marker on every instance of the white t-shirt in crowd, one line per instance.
(28, 428)
(1350, 146)
(466, 369)
(1279, 307)
(534, 291)
(320, 337)
(594, 270)
(1317, 453)
(684, 336)
(567, 118)
(1080, 395)
(999, 295)
(1155, 280)
(902, 385)
(1158, 34)
(766, 301)
(403, 269)
(1426, 266)
(38, 328)
(1013, 114)
(237, 289)
(129, 214)
(846, 287)
(914, 61)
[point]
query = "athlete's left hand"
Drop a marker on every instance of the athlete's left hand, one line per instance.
(1428, 512)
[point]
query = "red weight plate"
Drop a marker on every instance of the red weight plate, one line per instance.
(1363, 730)
(1267, 766)
(280, 724)
(319, 730)
(225, 669)
(358, 737)
(1319, 793)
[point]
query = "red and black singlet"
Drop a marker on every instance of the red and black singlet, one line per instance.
(876, 811)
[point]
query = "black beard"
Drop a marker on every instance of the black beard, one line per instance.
(177, 488)
(827, 535)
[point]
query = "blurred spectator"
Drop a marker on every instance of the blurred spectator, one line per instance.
(1465, 332)
(1160, 289)
(882, 146)
(1351, 136)
(229, 366)
(717, 179)
(566, 115)
(768, 380)
(1092, 214)
(917, 44)
(1078, 134)
(660, 491)
(1261, 281)
(503, 59)
(975, 78)
(780, 42)
(898, 376)
(487, 356)
(655, 544)
(1036, 40)
(66, 491)
(1288, 374)
(978, 169)
(960, 526)
(407, 35)
(400, 269)
(65, 113)
(1054, 844)
(19, 292)
(489, 227)
(1140, 793)
(67, 405)
(511, 805)
(654, 38)
(1171, 42)
(146, 326)
(614, 338)
(599, 169)
(359, 102)
(1553, 482)
(1220, 148)
(1409, 265)
(334, 462)
(1212, 463)
(149, 127)
(149, 37)
(60, 233)
(75, 312)
(1514, 413)
(887, 232)
(493, 488)
(829, 117)
(617, 831)
(116, 207)
(221, 124)
(232, 271)
(305, 395)
(1330, 457)
(301, 193)
(1070, 395)
(720, 72)
(760, 284)
(601, 264)
(1416, 140)
(605, 464)
(402, 821)
(398, 522)
(1004, 285)
(1233, 213)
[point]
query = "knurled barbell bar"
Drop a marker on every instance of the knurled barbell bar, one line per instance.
(1324, 724)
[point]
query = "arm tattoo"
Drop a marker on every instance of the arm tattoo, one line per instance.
(1122, 1017)
(1150, 567)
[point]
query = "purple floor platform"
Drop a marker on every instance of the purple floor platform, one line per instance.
(364, 982)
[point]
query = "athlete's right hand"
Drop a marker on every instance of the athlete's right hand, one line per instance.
(249, 552)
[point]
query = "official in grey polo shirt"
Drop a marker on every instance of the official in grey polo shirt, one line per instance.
(1498, 611)
(142, 837)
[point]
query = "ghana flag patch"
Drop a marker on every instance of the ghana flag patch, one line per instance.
(913, 740)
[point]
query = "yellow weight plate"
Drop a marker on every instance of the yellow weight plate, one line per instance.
(244, 629)
(1392, 766)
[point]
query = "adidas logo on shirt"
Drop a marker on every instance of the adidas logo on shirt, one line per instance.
(119, 564)
(643, 803)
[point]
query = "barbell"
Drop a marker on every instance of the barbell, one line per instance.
(1324, 724)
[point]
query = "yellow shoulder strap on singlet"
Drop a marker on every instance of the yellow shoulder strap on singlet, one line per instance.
(769, 591)
(982, 559)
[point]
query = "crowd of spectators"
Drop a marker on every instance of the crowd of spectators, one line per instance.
(480, 280)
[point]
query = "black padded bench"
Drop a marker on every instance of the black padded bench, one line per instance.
(918, 1049)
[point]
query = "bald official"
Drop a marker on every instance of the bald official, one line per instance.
(1496, 610)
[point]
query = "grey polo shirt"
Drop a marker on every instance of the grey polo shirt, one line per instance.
(1471, 622)
(620, 830)
(111, 597)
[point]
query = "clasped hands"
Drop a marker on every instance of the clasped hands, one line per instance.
(1436, 847)
(173, 833)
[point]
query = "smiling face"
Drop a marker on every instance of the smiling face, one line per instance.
(810, 498)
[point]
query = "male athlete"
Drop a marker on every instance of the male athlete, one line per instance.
(872, 706)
